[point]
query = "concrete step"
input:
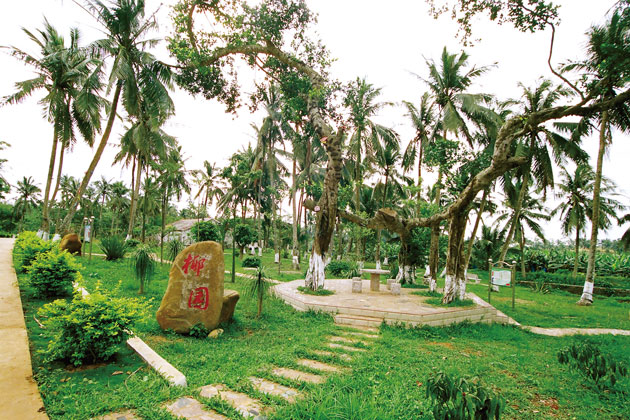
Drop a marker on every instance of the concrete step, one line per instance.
(356, 321)
(347, 340)
(191, 409)
(359, 329)
(271, 388)
(346, 348)
(341, 356)
(243, 403)
(296, 375)
(314, 364)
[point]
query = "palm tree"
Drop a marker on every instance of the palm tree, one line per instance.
(103, 190)
(535, 147)
(368, 137)
(209, 183)
(172, 180)
(148, 202)
(530, 211)
(133, 69)
(118, 202)
(28, 197)
(65, 74)
(607, 71)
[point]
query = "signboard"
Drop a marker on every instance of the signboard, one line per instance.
(501, 277)
(87, 232)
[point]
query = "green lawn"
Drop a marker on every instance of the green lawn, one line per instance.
(387, 381)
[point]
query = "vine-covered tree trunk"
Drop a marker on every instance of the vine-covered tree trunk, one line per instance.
(587, 291)
(327, 206)
(577, 251)
(455, 280)
(434, 254)
(406, 266)
(295, 260)
(473, 235)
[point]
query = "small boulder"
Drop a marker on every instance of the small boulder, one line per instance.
(71, 243)
(230, 297)
(215, 333)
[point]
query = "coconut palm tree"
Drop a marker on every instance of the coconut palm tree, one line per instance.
(132, 70)
(606, 71)
(367, 138)
(28, 198)
(64, 73)
(103, 190)
(118, 203)
(535, 146)
(209, 182)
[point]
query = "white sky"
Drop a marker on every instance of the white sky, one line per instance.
(383, 41)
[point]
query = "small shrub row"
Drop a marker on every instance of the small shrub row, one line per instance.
(27, 247)
(53, 273)
(252, 262)
(566, 277)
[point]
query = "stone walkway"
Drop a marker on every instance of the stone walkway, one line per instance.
(19, 396)
(192, 407)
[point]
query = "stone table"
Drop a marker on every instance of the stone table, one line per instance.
(375, 278)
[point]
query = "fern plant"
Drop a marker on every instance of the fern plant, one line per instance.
(143, 265)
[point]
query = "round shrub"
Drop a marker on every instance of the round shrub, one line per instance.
(132, 243)
(88, 329)
(339, 268)
(53, 273)
(251, 262)
(27, 247)
(206, 231)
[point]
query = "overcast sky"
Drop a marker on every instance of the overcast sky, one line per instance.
(385, 42)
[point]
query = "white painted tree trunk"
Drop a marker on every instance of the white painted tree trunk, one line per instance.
(386, 261)
(259, 252)
(315, 274)
(432, 284)
(587, 292)
(296, 262)
(277, 258)
(450, 286)
(378, 265)
(461, 288)
(406, 274)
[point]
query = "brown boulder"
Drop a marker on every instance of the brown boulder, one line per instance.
(195, 289)
(230, 297)
(71, 243)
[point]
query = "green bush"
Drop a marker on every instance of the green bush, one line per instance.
(88, 329)
(53, 273)
(339, 268)
(173, 248)
(589, 360)
(251, 262)
(199, 331)
(462, 399)
(206, 231)
(27, 247)
(566, 277)
(132, 243)
(114, 247)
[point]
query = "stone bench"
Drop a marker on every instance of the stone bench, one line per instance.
(375, 278)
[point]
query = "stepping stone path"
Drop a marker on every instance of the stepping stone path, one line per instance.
(248, 407)
(272, 388)
(191, 409)
(243, 403)
(297, 375)
(314, 364)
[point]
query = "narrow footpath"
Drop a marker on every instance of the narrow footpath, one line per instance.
(19, 396)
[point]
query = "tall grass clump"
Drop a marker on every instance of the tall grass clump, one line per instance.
(114, 247)
(258, 288)
(173, 248)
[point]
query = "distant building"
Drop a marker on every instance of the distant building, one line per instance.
(181, 230)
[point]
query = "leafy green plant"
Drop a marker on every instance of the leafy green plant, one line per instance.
(143, 265)
(132, 243)
(27, 247)
(114, 247)
(244, 235)
(462, 398)
(88, 329)
(206, 231)
(53, 273)
(319, 292)
(539, 286)
(588, 360)
(353, 271)
(173, 248)
(199, 331)
(259, 287)
(253, 262)
(339, 268)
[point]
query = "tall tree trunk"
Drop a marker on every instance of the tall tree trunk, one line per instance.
(587, 292)
(482, 206)
(358, 183)
(515, 217)
(434, 247)
(455, 280)
(65, 224)
(522, 246)
(406, 265)
(45, 226)
(377, 257)
(134, 198)
(51, 201)
(419, 193)
(577, 251)
(294, 248)
(327, 212)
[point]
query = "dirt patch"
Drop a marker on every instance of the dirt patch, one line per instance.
(545, 401)
(516, 300)
(73, 369)
(445, 344)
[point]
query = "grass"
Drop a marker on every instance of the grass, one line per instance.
(437, 301)
(385, 382)
(319, 292)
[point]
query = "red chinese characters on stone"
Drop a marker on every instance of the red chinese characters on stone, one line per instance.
(193, 263)
(198, 298)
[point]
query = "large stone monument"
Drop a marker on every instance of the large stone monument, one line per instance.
(71, 243)
(195, 291)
